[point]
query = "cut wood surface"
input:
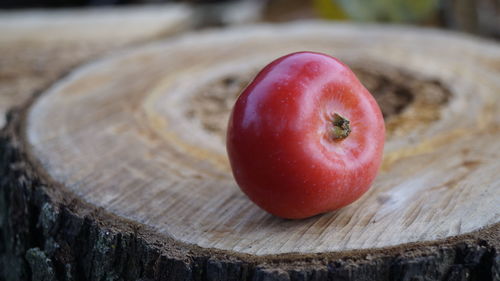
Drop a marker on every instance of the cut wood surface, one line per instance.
(39, 46)
(119, 133)
(137, 138)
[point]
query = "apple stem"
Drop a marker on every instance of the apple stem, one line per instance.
(341, 128)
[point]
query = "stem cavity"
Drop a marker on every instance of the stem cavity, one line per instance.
(341, 128)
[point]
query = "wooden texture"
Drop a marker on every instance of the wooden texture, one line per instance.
(39, 46)
(120, 166)
(117, 132)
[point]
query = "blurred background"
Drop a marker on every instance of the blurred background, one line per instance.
(40, 40)
(480, 17)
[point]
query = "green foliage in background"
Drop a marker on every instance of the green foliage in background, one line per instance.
(378, 10)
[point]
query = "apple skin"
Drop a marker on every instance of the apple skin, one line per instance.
(282, 145)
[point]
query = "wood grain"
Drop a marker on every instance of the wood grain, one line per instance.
(124, 134)
(39, 46)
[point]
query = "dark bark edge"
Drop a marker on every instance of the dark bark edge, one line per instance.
(48, 233)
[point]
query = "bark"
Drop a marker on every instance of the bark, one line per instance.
(48, 233)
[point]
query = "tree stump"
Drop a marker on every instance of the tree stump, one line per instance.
(118, 171)
(39, 46)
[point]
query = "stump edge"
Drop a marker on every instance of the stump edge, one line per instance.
(48, 233)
